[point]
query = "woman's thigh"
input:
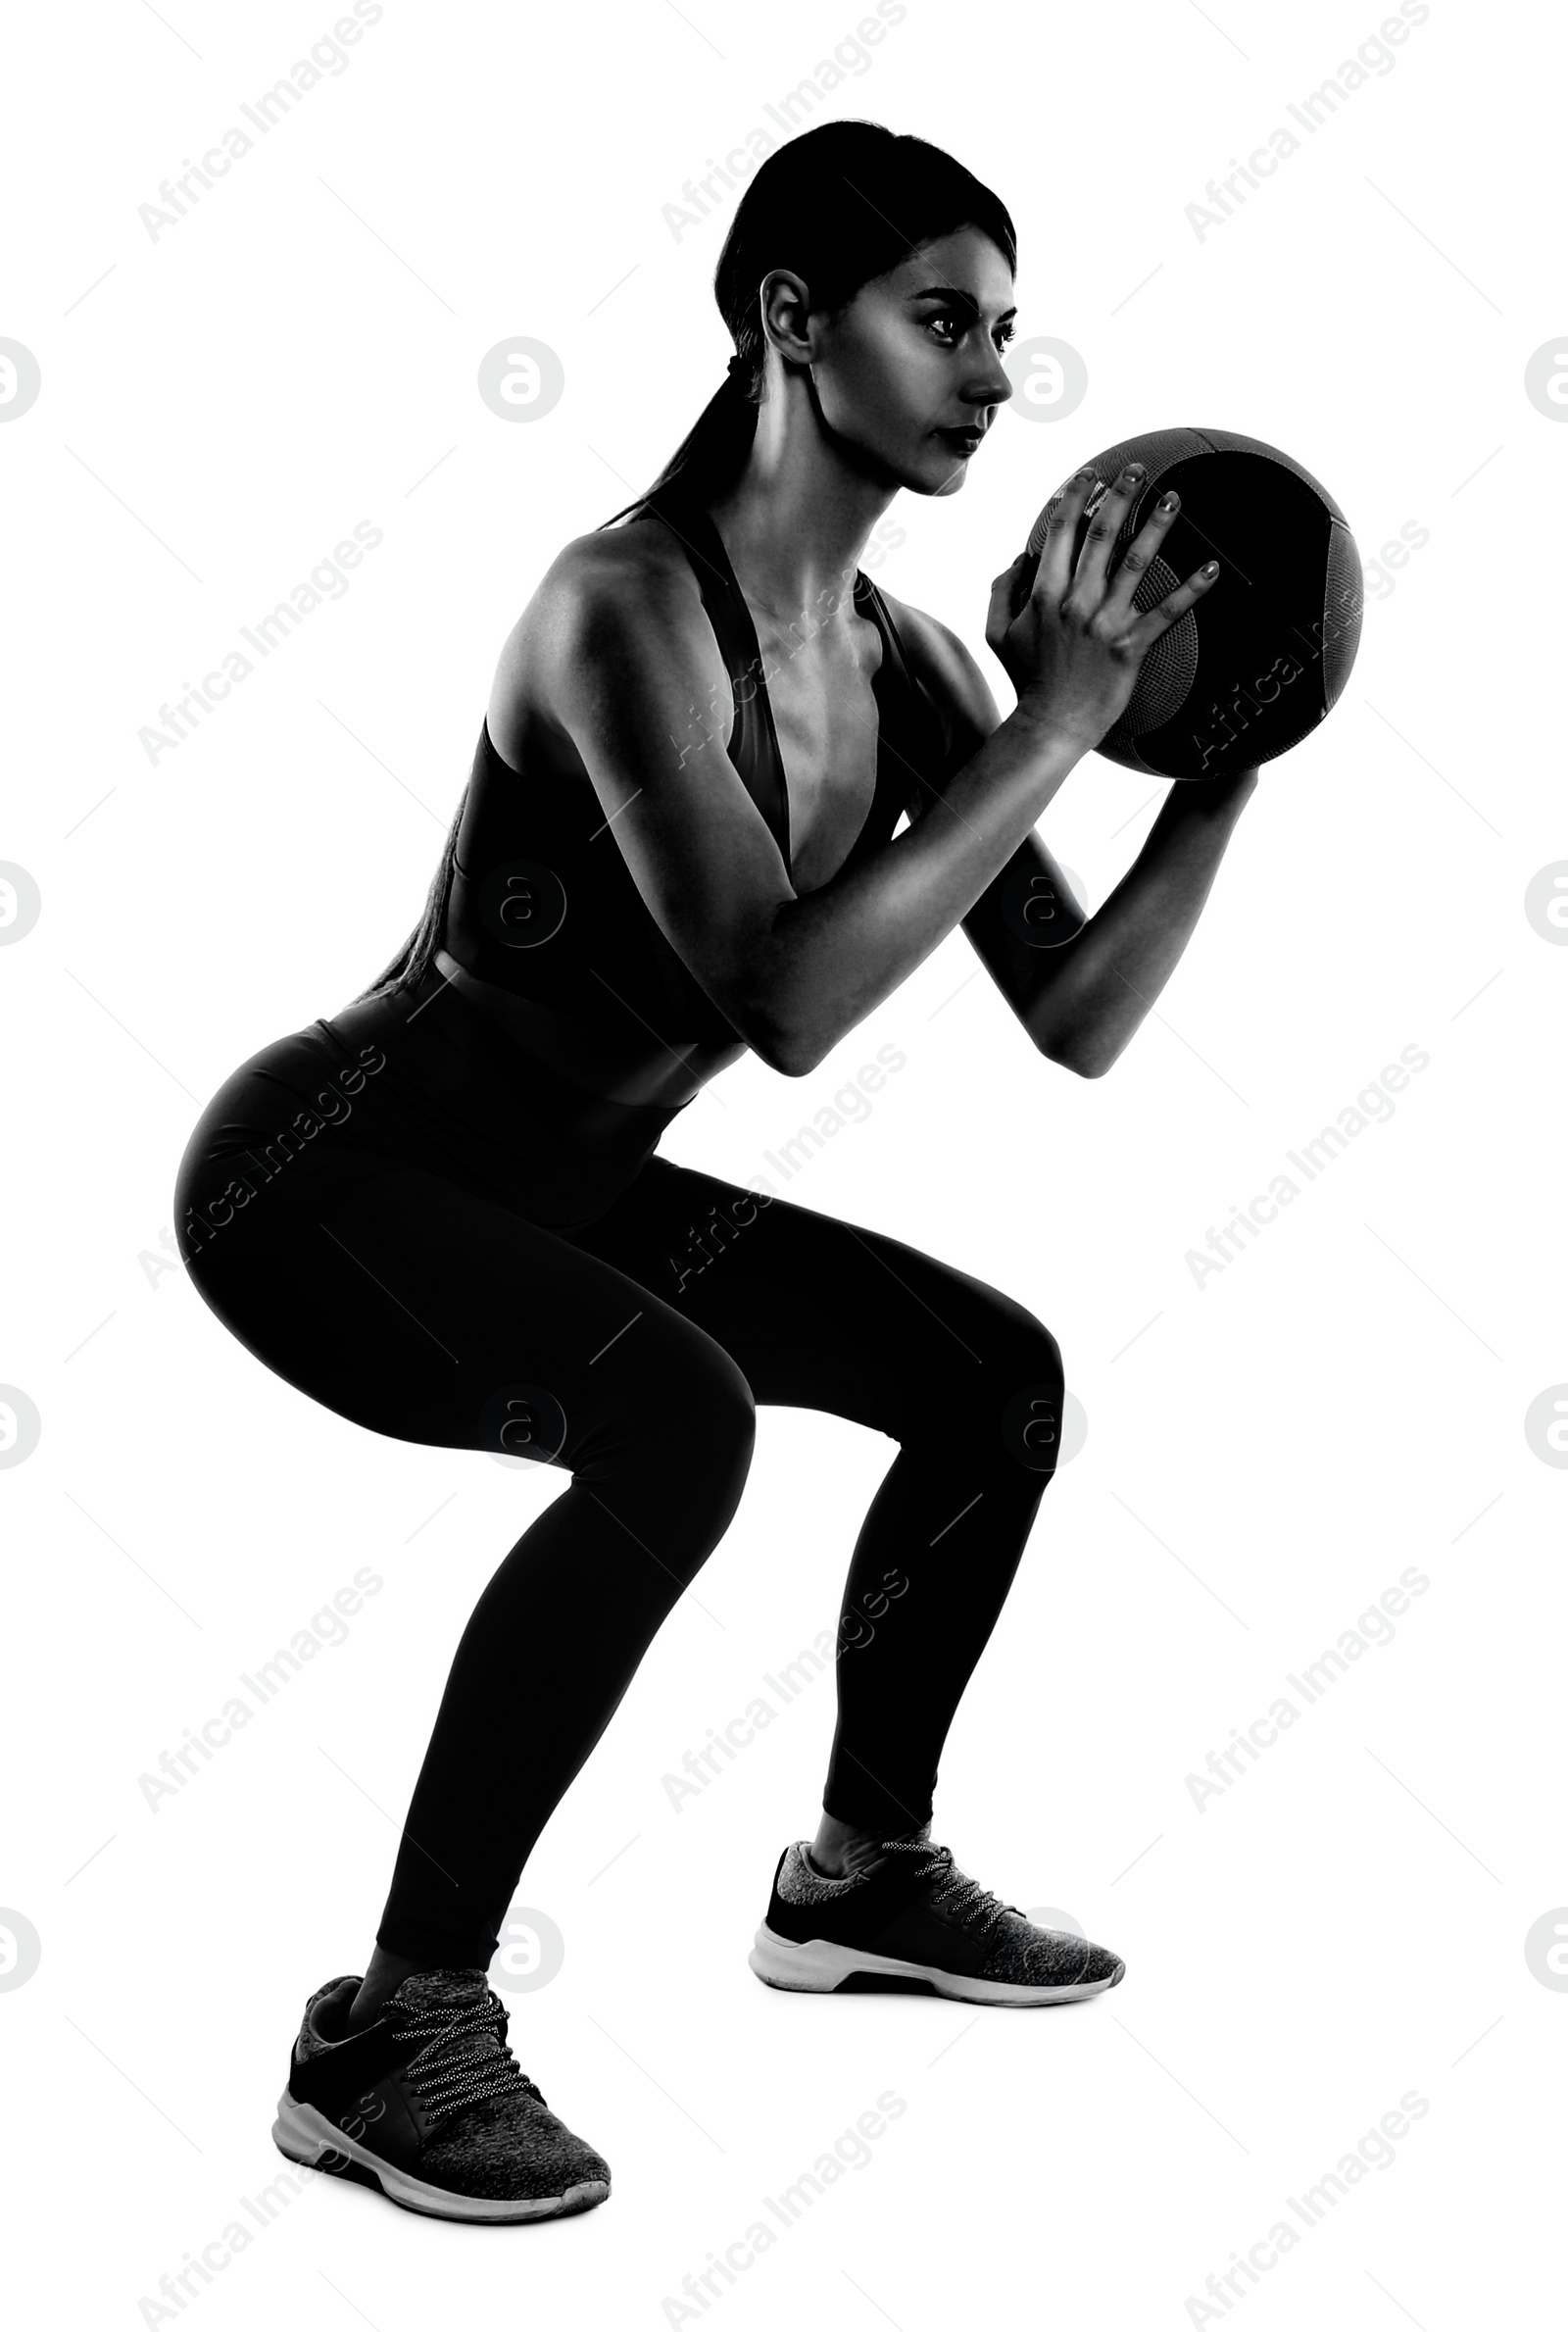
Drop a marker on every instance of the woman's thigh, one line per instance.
(419, 1309)
(823, 1314)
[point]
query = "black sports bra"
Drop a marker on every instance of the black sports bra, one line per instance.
(546, 931)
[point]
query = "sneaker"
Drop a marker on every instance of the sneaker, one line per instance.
(429, 2106)
(918, 1923)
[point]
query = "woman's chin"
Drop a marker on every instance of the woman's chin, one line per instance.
(948, 477)
(930, 468)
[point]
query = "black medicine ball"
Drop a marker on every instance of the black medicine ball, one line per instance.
(1262, 658)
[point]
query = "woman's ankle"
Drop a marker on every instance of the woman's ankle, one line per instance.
(845, 1850)
(386, 1972)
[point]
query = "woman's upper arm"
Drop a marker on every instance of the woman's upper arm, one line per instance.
(961, 704)
(624, 656)
(1029, 899)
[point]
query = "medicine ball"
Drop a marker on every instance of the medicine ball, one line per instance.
(1262, 658)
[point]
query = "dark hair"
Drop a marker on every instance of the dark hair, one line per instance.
(841, 204)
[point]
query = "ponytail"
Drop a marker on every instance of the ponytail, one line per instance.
(712, 455)
(414, 957)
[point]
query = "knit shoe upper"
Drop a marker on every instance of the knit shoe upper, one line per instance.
(919, 1907)
(432, 2091)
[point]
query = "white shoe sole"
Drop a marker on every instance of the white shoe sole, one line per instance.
(304, 2135)
(818, 1966)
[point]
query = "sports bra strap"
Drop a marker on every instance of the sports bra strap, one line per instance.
(753, 745)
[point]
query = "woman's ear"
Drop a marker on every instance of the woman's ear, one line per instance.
(786, 302)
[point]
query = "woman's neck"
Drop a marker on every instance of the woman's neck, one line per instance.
(797, 520)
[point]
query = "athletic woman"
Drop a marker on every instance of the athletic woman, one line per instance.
(728, 794)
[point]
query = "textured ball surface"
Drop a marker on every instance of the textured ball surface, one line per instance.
(1264, 653)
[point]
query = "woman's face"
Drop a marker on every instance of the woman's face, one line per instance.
(911, 370)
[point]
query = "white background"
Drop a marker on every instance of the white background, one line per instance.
(1264, 1456)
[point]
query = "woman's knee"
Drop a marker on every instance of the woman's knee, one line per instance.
(692, 1463)
(1030, 1353)
(685, 1423)
(1013, 1399)
(712, 1431)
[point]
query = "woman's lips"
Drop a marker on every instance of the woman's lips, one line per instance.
(963, 441)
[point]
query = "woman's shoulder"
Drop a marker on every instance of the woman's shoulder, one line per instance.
(639, 556)
(602, 594)
(942, 666)
(618, 612)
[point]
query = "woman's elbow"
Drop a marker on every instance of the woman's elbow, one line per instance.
(788, 1051)
(1069, 1030)
(785, 1061)
(1080, 1058)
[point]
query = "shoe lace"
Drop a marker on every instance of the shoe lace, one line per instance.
(465, 2057)
(976, 1904)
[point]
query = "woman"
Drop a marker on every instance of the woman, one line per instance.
(440, 1212)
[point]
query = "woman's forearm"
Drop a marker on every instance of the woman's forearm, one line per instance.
(834, 954)
(1099, 986)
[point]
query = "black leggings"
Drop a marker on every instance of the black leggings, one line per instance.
(417, 1308)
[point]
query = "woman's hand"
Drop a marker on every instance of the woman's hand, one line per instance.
(1073, 647)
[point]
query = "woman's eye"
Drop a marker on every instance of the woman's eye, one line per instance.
(949, 330)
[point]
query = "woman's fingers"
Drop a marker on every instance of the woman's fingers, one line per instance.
(1004, 601)
(1148, 628)
(1088, 582)
(1118, 606)
(1054, 571)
